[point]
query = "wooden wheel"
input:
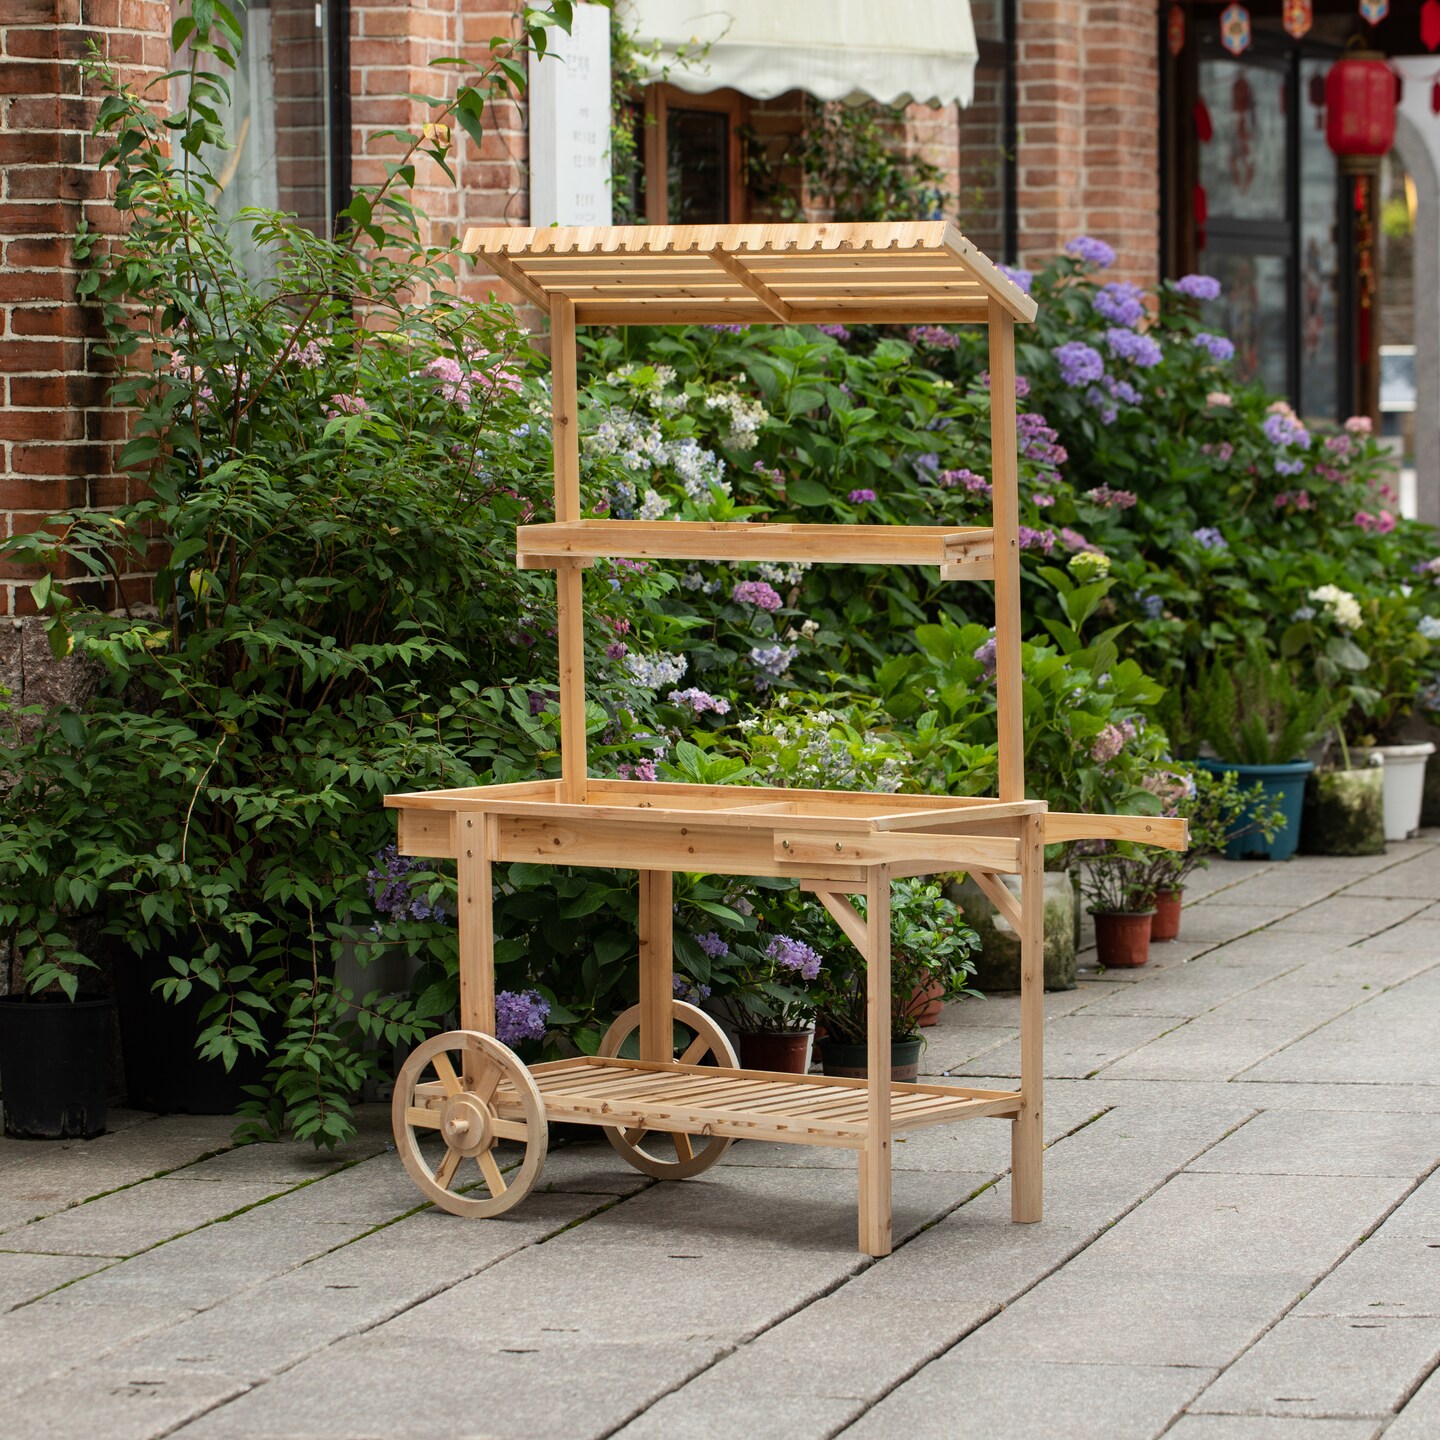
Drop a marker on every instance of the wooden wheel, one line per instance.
(678, 1158)
(438, 1095)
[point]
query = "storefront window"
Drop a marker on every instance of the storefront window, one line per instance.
(1261, 212)
(281, 119)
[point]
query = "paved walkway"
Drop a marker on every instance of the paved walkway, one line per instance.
(1242, 1239)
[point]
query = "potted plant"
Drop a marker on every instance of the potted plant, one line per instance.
(1121, 899)
(930, 943)
(1249, 710)
(768, 999)
(55, 1045)
(1404, 661)
(1218, 813)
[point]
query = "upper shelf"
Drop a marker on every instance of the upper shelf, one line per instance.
(962, 553)
(920, 272)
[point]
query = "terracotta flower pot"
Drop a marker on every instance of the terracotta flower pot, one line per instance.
(783, 1051)
(1123, 941)
(932, 996)
(1165, 923)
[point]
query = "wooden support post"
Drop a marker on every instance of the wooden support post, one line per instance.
(569, 593)
(657, 966)
(1027, 1135)
(475, 841)
(875, 1180)
(1005, 501)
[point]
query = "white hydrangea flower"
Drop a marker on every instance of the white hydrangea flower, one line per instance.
(1341, 606)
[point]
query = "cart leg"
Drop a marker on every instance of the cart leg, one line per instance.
(476, 926)
(657, 966)
(1027, 1133)
(875, 1187)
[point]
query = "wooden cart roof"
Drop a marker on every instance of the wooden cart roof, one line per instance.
(919, 272)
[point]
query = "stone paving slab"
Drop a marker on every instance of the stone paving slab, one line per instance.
(1385, 1276)
(1420, 1419)
(965, 1398)
(1316, 1142)
(1076, 1045)
(1388, 1040)
(26, 1277)
(1327, 1366)
(1262, 1427)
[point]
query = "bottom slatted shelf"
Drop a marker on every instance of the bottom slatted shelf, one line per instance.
(743, 1104)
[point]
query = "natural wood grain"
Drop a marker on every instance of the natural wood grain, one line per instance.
(875, 1177)
(1165, 832)
(1005, 499)
(944, 852)
(1027, 1137)
(657, 966)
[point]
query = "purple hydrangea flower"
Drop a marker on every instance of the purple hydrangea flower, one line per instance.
(711, 943)
(758, 593)
(968, 479)
(1282, 429)
(1075, 542)
(937, 337)
(1209, 538)
(1289, 467)
(985, 654)
(772, 661)
(1021, 278)
(1111, 499)
(1079, 364)
(520, 1015)
(1199, 287)
(1099, 400)
(1152, 605)
(1220, 350)
(1120, 303)
(861, 497)
(1039, 439)
(684, 990)
(1138, 349)
(1090, 251)
(794, 955)
(700, 701)
(390, 887)
(835, 332)
(1041, 540)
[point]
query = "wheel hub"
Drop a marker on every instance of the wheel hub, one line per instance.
(465, 1123)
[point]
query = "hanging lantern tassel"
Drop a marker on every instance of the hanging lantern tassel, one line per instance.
(1175, 29)
(1235, 29)
(1430, 24)
(1364, 261)
(1299, 16)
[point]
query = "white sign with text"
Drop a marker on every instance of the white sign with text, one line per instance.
(570, 124)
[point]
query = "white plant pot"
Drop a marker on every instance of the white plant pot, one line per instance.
(1404, 786)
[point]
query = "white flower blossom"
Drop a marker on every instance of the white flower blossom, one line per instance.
(1340, 605)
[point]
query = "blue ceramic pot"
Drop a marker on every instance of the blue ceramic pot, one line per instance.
(1285, 785)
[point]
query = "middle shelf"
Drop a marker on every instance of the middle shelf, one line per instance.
(961, 552)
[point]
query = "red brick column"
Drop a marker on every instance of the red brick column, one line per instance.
(58, 441)
(1088, 92)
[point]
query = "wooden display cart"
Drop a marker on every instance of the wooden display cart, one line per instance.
(669, 1112)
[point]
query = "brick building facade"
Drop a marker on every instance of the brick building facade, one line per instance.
(1064, 137)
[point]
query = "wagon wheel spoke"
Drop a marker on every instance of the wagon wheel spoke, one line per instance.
(494, 1180)
(446, 1073)
(697, 1048)
(422, 1116)
(445, 1170)
(683, 1149)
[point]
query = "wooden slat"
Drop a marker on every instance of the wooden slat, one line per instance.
(1163, 831)
(875, 1174)
(539, 546)
(1000, 897)
(507, 270)
(657, 966)
(949, 852)
(691, 848)
(474, 851)
(753, 283)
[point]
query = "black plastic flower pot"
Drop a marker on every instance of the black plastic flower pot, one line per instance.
(163, 1070)
(55, 1066)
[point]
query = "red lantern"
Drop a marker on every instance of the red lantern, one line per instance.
(1360, 108)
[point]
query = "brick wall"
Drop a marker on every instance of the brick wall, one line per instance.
(58, 441)
(1088, 115)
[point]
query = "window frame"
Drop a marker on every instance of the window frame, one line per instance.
(660, 99)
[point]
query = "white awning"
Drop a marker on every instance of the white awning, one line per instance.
(894, 51)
